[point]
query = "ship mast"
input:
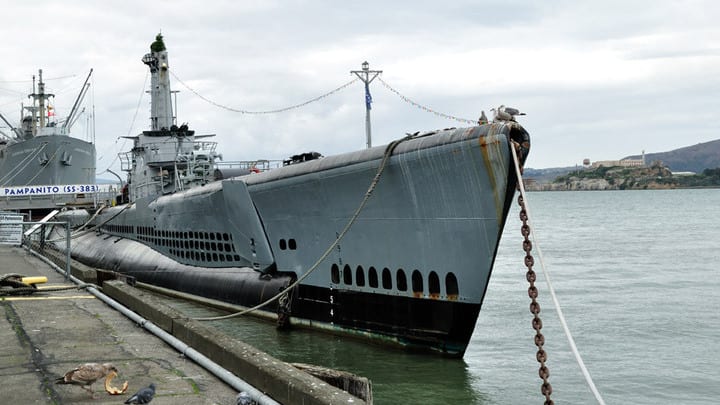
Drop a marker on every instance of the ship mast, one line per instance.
(161, 115)
(72, 116)
(367, 76)
(40, 98)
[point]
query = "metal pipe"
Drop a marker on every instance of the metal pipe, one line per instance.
(220, 372)
(67, 250)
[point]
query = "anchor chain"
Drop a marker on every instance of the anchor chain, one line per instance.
(541, 355)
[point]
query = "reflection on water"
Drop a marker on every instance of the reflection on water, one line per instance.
(397, 377)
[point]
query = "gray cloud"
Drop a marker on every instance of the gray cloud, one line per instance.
(599, 80)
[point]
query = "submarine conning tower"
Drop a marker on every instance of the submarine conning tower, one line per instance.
(166, 158)
(161, 113)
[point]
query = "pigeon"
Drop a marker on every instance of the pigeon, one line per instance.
(144, 396)
(86, 374)
(244, 398)
(483, 118)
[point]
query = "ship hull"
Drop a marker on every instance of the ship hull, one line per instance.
(37, 174)
(407, 263)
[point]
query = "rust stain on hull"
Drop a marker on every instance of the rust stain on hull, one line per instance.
(490, 149)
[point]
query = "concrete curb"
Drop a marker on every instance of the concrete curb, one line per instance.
(281, 381)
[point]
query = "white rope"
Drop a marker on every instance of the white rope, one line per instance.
(570, 339)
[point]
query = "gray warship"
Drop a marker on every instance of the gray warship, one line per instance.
(43, 167)
(393, 243)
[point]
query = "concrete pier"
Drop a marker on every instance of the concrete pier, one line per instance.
(49, 333)
(44, 335)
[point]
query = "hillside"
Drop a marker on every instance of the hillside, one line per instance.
(694, 158)
(653, 177)
(611, 178)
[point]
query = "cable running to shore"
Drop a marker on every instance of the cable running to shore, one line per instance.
(422, 107)
(279, 110)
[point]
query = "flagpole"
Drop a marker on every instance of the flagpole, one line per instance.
(367, 76)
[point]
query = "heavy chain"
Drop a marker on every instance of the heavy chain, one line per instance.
(541, 355)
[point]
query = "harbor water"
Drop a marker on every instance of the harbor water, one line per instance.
(636, 274)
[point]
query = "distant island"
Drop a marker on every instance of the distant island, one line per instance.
(653, 177)
(688, 167)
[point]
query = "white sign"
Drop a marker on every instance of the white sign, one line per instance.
(10, 228)
(22, 191)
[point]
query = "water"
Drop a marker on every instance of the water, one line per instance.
(636, 274)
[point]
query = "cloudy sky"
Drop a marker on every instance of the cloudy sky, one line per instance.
(599, 80)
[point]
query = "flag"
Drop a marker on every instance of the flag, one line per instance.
(368, 97)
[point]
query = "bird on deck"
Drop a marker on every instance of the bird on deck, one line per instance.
(143, 396)
(512, 111)
(505, 113)
(483, 118)
(86, 374)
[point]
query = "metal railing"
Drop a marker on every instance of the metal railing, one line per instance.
(34, 235)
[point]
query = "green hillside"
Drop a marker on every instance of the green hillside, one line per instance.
(653, 177)
(694, 158)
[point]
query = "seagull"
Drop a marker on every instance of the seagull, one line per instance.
(505, 113)
(483, 118)
(511, 111)
(144, 396)
(86, 374)
(501, 115)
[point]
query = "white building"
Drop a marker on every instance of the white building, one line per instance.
(623, 162)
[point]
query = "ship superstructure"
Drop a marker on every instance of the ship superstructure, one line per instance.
(43, 167)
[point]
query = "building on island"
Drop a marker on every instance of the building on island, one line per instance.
(622, 162)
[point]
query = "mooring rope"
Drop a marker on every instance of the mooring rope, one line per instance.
(573, 347)
(44, 166)
(21, 166)
(80, 232)
(368, 193)
(18, 287)
(132, 125)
